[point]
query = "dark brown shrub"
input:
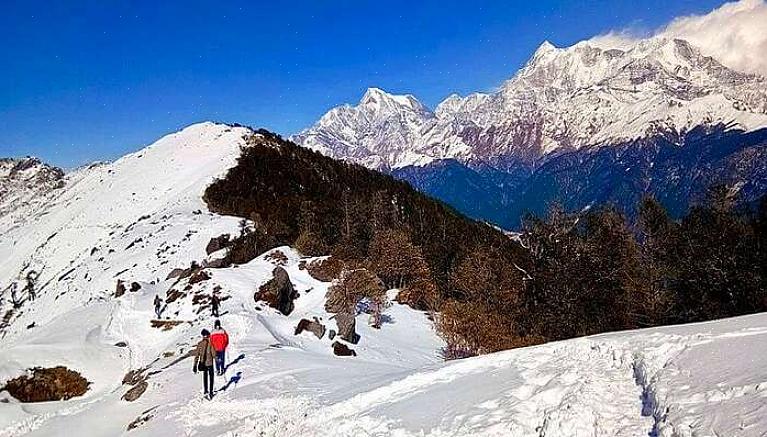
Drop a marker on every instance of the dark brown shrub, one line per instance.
(326, 269)
(48, 384)
(277, 257)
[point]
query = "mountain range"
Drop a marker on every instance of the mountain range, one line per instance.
(584, 125)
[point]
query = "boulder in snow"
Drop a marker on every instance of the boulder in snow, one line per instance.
(120, 289)
(217, 243)
(313, 326)
(278, 292)
(136, 391)
(343, 350)
(176, 273)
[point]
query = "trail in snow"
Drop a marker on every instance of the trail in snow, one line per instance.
(702, 379)
(598, 386)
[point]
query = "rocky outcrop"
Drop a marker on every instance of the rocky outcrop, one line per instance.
(27, 182)
(217, 243)
(199, 276)
(313, 326)
(278, 292)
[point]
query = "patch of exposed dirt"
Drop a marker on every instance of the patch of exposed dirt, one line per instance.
(166, 325)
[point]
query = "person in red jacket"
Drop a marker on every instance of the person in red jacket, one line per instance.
(220, 340)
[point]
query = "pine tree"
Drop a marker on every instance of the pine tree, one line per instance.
(658, 235)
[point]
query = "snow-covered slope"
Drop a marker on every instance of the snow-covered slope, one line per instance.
(563, 99)
(140, 217)
(130, 218)
(704, 379)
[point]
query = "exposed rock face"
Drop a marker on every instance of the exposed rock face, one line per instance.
(27, 180)
(199, 276)
(278, 292)
(179, 273)
(372, 133)
(313, 326)
(165, 325)
(175, 273)
(217, 243)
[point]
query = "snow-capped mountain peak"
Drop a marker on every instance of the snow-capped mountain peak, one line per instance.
(371, 131)
(546, 48)
(582, 96)
(376, 99)
(24, 182)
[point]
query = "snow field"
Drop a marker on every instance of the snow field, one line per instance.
(122, 221)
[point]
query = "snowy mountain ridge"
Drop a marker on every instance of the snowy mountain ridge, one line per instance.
(26, 181)
(563, 99)
(141, 217)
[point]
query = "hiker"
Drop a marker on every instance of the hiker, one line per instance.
(215, 302)
(158, 306)
(220, 340)
(14, 296)
(30, 287)
(203, 361)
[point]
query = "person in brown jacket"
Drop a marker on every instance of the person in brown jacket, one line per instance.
(204, 358)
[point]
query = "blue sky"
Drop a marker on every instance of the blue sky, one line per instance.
(91, 80)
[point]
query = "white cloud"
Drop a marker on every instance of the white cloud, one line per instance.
(735, 34)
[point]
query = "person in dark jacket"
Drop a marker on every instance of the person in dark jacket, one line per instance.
(204, 358)
(158, 306)
(215, 303)
(220, 340)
